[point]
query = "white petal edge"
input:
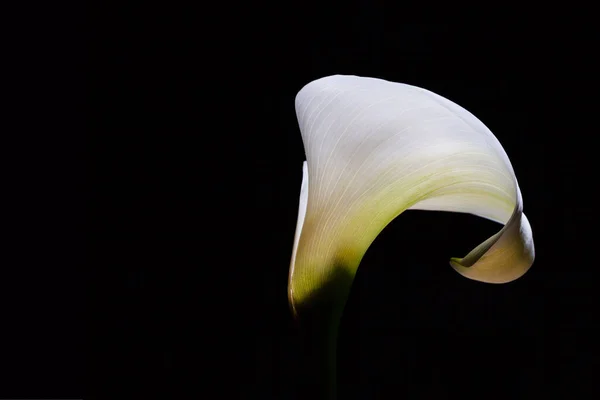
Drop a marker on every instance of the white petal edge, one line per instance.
(301, 215)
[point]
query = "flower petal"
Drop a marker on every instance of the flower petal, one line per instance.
(375, 148)
(301, 215)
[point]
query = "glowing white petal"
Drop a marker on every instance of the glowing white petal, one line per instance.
(375, 148)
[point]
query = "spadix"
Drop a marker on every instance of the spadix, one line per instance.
(376, 148)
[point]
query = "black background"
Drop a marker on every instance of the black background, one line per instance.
(197, 167)
(194, 163)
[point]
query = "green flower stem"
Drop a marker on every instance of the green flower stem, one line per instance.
(318, 321)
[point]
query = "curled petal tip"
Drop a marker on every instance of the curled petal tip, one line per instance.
(507, 257)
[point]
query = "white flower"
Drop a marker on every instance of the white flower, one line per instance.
(376, 148)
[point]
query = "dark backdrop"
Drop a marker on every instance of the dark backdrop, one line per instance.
(196, 163)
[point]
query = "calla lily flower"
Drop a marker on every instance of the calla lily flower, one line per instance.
(375, 149)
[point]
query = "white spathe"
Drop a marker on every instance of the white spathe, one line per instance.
(376, 148)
